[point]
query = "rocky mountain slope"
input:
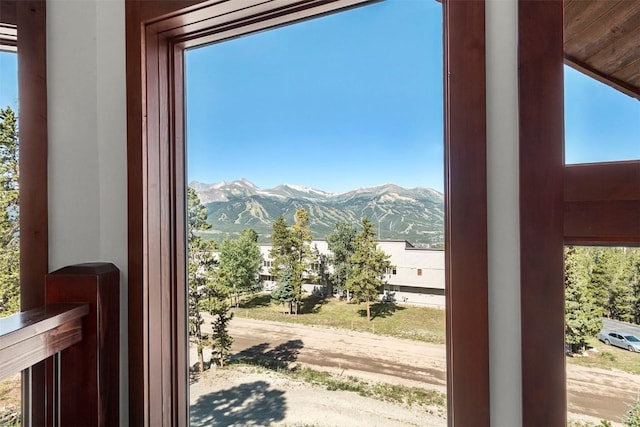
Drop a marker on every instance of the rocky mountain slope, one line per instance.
(413, 214)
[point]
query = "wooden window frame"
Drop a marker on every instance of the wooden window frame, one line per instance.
(596, 204)
(30, 18)
(157, 33)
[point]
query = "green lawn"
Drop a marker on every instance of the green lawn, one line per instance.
(608, 357)
(418, 323)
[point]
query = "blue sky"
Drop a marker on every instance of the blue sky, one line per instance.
(8, 80)
(601, 123)
(350, 100)
(344, 101)
(355, 100)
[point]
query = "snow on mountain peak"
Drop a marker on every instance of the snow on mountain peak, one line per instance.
(245, 182)
(220, 190)
(303, 189)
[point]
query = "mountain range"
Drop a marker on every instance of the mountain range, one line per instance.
(413, 214)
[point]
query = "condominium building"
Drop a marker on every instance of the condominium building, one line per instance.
(416, 276)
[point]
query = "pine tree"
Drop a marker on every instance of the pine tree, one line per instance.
(341, 243)
(634, 282)
(621, 293)
(9, 214)
(369, 266)
(291, 249)
(301, 259)
(283, 293)
(600, 278)
(582, 315)
(281, 244)
(201, 263)
(613, 281)
(321, 269)
(221, 340)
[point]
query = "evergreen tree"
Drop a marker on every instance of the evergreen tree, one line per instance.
(582, 315)
(239, 264)
(281, 248)
(612, 281)
(196, 213)
(281, 244)
(341, 243)
(301, 259)
(9, 214)
(600, 278)
(321, 269)
(621, 293)
(369, 267)
(634, 282)
(291, 250)
(221, 340)
(283, 293)
(201, 263)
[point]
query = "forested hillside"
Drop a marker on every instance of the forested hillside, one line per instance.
(415, 214)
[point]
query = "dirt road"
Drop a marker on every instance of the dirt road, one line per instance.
(383, 359)
(592, 392)
(243, 397)
(601, 393)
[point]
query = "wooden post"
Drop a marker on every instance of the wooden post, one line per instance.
(89, 371)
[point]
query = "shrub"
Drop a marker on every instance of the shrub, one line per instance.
(633, 415)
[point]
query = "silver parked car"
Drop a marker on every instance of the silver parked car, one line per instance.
(619, 339)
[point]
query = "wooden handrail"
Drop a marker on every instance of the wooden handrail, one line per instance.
(79, 326)
(32, 336)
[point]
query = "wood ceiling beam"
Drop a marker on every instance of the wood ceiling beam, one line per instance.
(602, 204)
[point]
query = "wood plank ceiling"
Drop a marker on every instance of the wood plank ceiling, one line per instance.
(602, 39)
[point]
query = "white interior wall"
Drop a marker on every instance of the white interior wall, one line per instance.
(87, 143)
(503, 213)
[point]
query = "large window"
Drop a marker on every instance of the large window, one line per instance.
(157, 197)
(27, 19)
(601, 283)
(363, 141)
(9, 223)
(10, 411)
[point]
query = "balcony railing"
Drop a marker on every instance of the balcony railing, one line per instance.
(76, 335)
